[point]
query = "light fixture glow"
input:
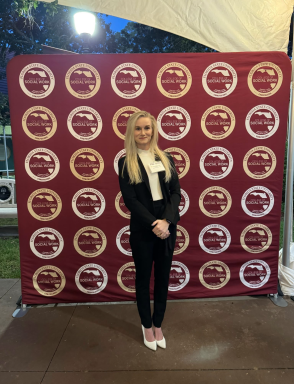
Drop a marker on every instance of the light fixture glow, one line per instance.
(84, 22)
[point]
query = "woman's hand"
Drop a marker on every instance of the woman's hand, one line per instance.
(161, 228)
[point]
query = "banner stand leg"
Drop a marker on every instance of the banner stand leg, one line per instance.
(278, 300)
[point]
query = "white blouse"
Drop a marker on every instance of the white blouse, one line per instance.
(147, 157)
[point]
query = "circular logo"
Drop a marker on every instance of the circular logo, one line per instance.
(182, 240)
(36, 80)
(265, 79)
(84, 123)
(219, 79)
(173, 123)
(214, 274)
(126, 277)
(256, 238)
(82, 81)
(90, 241)
(179, 276)
(44, 204)
(257, 201)
(174, 80)
(39, 123)
(46, 243)
(121, 207)
(49, 280)
(181, 160)
(255, 273)
(91, 279)
(216, 163)
(259, 162)
(262, 121)
(42, 164)
(184, 203)
(88, 203)
(215, 202)
(218, 122)
(120, 154)
(86, 164)
(6, 192)
(128, 80)
(120, 120)
(123, 241)
(214, 239)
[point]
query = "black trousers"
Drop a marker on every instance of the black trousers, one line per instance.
(146, 249)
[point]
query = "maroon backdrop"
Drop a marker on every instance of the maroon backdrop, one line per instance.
(223, 117)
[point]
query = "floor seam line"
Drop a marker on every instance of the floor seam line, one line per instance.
(9, 289)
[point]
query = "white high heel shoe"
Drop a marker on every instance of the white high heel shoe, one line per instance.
(149, 344)
(161, 343)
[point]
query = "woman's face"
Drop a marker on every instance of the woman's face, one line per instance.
(143, 132)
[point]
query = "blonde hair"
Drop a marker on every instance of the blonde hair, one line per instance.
(131, 160)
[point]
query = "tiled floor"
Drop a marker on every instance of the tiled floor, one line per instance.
(226, 341)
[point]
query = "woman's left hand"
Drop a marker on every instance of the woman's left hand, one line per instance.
(161, 227)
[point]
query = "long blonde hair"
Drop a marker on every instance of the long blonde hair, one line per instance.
(131, 160)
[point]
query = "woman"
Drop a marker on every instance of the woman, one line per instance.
(151, 191)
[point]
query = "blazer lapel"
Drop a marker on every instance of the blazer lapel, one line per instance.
(144, 174)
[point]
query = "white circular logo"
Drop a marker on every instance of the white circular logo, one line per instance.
(84, 123)
(255, 273)
(88, 203)
(257, 201)
(123, 241)
(173, 123)
(46, 243)
(219, 79)
(214, 239)
(216, 163)
(120, 154)
(91, 279)
(128, 80)
(37, 80)
(179, 276)
(262, 121)
(184, 203)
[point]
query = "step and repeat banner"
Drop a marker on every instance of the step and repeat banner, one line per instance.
(223, 118)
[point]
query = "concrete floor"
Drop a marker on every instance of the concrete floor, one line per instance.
(236, 340)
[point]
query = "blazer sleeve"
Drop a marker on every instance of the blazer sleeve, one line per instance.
(138, 210)
(172, 205)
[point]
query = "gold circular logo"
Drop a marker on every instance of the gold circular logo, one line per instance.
(174, 80)
(262, 121)
(265, 79)
(257, 201)
(214, 239)
(86, 164)
(49, 280)
(218, 122)
(91, 279)
(46, 243)
(39, 123)
(128, 80)
(215, 202)
(219, 79)
(214, 274)
(179, 276)
(256, 238)
(173, 123)
(123, 241)
(90, 241)
(44, 204)
(36, 80)
(42, 164)
(182, 240)
(121, 207)
(88, 203)
(181, 160)
(84, 123)
(260, 162)
(120, 120)
(82, 80)
(216, 163)
(126, 277)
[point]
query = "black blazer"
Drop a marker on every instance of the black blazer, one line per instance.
(138, 197)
